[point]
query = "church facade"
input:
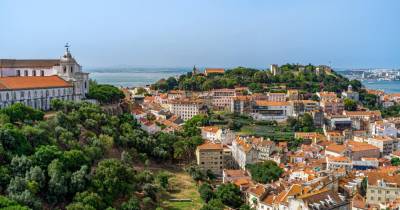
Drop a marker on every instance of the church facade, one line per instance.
(36, 82)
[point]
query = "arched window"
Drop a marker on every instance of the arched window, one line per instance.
(42, 73)
(72, 69)
(34, 73)
(64, 69)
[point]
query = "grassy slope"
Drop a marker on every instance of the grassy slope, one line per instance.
(183, 187)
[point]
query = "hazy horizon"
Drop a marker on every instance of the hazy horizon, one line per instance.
(226, 33)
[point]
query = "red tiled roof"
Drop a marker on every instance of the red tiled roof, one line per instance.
(271, 103)
(210, 146)
(16, 83)
(12, 63)
(214, 70)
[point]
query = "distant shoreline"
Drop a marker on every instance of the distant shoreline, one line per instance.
(141, 77)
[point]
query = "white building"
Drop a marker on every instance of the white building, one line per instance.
(187, 108)
(249, 150)
(36, 82)
(217, 135)
(384, 128)
(272, 110)
(350, 94)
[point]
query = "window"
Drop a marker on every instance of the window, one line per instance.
(7, 97)
(34, 73)
(64, 69)
(42, 73)
(18, 73)
(26, 73)
(72, 69)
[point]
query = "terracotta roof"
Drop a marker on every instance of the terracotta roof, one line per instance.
(212, 129)
(269, 200)
(17, 83)
(382, 138)
(375, 176)
(258, 190)
(210, 146)
(214, 70)
(242, 98)
(12, 63)
(327, 94)
(362, 113)
(271, 103)
(235, 173)
(242, 181)
(361, 146)
(186, 101)
(338, 159)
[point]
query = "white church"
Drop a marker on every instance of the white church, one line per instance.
(36, 82)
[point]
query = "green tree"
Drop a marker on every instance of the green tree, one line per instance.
(131, 204)
(350, 105)
(265, 172)
(395, 161)
(90, 199)
(206, 192)
(18, 112)
(113, 179)
(214, 204)
(105, 93)
(230, 195)
(79, 179)
(6, 203)
(363, 188)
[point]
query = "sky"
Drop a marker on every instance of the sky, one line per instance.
(212, 33)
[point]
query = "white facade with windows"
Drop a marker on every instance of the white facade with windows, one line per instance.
(36, 82)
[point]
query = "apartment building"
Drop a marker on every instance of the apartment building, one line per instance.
(276, 97)
(303, 106)
(247, 150)
(241, 104)
(383, 187)
(216, 134)
(386, 144)
(326, 95)
(332, 106)
(271, 110)
(354, 150)
(209, 156)
(384, 128)
(221, 99)
(186, 108)
(293, 95)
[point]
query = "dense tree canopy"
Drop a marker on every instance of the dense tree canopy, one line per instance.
(350, 105)
(105, 94)
(265, 172)
(291, 75)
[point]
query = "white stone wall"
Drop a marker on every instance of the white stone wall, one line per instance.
(36, 98)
